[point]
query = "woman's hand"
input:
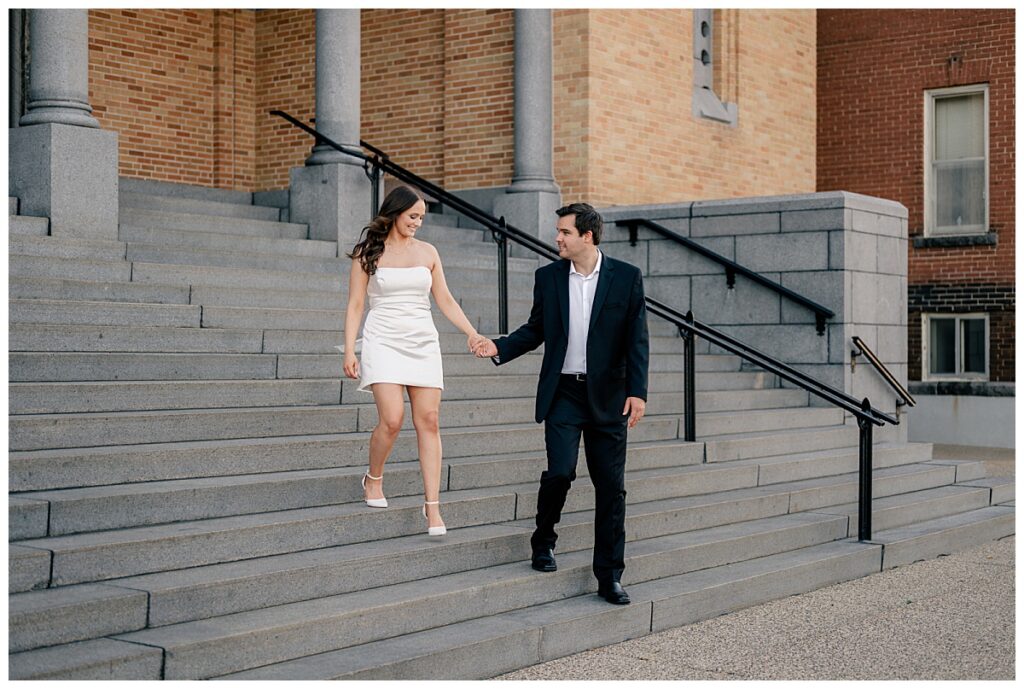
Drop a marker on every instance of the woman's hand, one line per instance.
(351, 365)
(474, 341)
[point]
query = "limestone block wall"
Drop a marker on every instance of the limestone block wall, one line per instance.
(845, 251)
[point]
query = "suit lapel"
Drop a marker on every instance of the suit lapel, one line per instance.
(562, 287)
(604, 281)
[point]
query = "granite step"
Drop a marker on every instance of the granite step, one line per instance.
(143, 395)
(925, 540)
(30, 517)
(485, 647)
(160, 202)
(64, 247)
(60, 398)
(28, 226)
(72, 613)
(198, 222)
(178, 190)
(90, 290)
(237, 642)
(80, 510)
(60, 313)
(241, 257)
(97, 659)
(1000, 488)
(43, 367)
(912, 508)
(106, 339)
(99, 556)
(114, 464)
(237, 277)
(90, 429)
(217, 241)
(211, 591)
(652, 558)
(87, 338)
(69, 269)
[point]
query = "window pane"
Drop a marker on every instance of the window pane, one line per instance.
(973, 331)
(942, 345)
(960, 127)
(960, 194)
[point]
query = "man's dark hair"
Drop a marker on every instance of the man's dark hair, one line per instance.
(587, 219)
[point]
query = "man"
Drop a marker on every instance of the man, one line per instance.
(589, 313)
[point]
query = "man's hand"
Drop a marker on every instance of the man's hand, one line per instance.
(635, 408)
(474, 341)
(485, 349)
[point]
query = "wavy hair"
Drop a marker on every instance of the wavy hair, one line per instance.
(371, 246)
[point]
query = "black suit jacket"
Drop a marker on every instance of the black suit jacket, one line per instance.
(617, 342)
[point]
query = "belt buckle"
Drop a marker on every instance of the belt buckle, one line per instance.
(580, 377)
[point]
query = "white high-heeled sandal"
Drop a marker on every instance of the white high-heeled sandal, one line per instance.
(433, 530)
(373, 502)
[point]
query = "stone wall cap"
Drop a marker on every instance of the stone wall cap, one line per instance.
(827, 200)
(965, 388)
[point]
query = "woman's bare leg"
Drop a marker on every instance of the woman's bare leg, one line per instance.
(390, 410)
(426, 406)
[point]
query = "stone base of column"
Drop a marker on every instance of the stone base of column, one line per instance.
(334, 200)
(532, 212)
(68, 174)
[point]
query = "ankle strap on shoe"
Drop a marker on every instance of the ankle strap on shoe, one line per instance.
(373, 478)
(436, 502)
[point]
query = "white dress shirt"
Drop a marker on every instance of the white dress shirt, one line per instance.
(582, 289)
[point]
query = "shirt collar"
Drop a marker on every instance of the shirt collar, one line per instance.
(597, 268)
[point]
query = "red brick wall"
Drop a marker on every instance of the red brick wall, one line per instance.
(160, 78)
(436, 92)
(873, 69)
(285, 80)
(403, 103)
(478, 93)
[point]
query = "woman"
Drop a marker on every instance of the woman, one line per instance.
(400, 347)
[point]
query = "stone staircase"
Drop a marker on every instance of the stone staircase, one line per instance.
(185, 456)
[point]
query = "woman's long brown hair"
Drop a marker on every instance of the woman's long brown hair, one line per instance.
(371, 247)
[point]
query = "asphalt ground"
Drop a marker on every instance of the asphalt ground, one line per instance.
(950, 618)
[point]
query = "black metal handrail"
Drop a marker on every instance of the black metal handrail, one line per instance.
(732, 268)
(689, 328)
(906, 398)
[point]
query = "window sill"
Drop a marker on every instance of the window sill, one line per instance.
(944, 242)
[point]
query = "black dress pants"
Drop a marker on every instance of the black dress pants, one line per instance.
(605, 447)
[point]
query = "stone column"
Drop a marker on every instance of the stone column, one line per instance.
(61, 164)
(332, 193)
(530, 201)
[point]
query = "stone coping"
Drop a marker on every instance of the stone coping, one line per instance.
(963, 388)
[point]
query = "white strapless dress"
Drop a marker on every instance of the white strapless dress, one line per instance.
(400, 343)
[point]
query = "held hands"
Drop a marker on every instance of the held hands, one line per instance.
(635, 408)
(483, 348)
(351, 365)
(474, 342)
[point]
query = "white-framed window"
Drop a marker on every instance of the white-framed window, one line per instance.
(956, 160)
(955, 346)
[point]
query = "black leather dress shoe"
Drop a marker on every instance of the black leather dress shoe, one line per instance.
(544, 560)
(613, 593)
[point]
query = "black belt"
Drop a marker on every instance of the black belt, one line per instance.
(575, 377)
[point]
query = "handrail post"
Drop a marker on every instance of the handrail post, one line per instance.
(689, 381)
(864, 503)
(502, 278)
